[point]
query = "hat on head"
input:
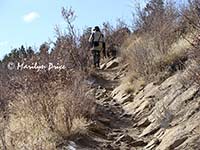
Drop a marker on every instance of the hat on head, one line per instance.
(96, 28)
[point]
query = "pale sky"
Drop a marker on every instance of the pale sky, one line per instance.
(32, 22)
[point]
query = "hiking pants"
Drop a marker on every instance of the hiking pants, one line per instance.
(96, 58)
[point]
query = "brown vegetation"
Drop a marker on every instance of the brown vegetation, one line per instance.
(156, 47)
(41, 109)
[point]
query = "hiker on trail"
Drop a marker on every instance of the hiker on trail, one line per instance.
(98, 45)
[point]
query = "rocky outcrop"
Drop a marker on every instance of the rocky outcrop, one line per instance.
(167, 114)
(112, 63)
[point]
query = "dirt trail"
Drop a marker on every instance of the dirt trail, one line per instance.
(109, 127)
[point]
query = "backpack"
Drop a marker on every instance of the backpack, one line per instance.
(96, 43)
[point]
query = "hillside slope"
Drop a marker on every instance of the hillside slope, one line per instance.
(159, 116)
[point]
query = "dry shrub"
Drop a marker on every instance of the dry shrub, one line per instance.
(176, 57)
(42, 109)
(148, 62)
(71, 49)
(115, 36)
(161, 21)
(42, 119)
(155, 49)
(132, 84)
(192, 73)
(79, 125)
(28, 130)
(190, 16)
(140, 55)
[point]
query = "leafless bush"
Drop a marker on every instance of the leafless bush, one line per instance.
(192, 72)
(161, 21)
(42, 119)
(149, 50)
(190, 20)
(43, 108)
(71, 48)
(190, 15)
(140, 56)
(115, 36)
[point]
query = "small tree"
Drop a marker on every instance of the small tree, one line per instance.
(30, 51)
